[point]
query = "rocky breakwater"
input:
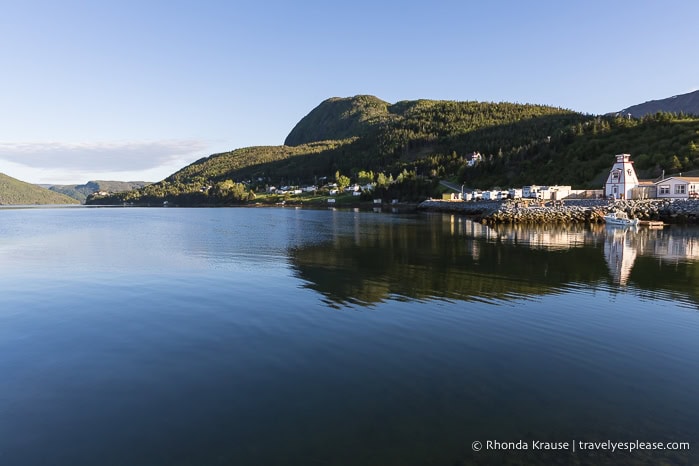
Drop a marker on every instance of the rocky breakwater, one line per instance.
(585, 211)
(509, 211)
(666, 210)
(570, 211)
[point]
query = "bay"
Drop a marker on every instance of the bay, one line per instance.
(290, 336)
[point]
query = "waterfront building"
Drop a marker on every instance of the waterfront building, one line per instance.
(622, 179)
(678, 187)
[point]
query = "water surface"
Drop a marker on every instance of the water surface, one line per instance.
(296, 337)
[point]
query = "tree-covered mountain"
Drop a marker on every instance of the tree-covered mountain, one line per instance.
(684, 103)
(81, 191)
(519, 144)
(339, 118)
(16, 192)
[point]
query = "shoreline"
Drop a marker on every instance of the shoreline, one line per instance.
(671, 211)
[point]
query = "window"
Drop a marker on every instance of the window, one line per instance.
(665, 189)
(680, 189)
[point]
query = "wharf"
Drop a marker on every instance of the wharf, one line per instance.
(651, 223)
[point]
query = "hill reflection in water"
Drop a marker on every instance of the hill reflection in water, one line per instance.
(372, 258)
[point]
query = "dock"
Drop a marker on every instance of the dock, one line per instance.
(651, 223)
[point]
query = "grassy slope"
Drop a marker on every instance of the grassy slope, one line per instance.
(16, 192)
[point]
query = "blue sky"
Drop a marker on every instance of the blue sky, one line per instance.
(134, 90)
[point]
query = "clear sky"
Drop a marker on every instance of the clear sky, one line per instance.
(135, 90)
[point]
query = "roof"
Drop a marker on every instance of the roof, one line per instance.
(688, 179)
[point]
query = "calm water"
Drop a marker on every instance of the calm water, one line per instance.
(300, 337)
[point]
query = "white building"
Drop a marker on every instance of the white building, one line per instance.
(490, 195)
(678, 187)
(554, 193)
(622, 178)
(515, 193)
(502, 195)
(473, 159)
(531, 192)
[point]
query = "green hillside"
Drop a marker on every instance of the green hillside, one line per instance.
(339, 118)
(582, 154)
(16, 192)
(425, 140)
(81, 191)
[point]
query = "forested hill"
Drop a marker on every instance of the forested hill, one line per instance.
(520, 144)
(16, 192)
(365, 133)
(684, 103)
(339, 118)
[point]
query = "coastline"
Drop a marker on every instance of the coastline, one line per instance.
(673, 211)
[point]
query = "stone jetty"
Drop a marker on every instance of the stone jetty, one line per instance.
(569, 211)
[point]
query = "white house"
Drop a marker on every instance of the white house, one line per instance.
(622, 178)
(515, 193)
(554, 192)
(530, 192)
(473, 159)
(678, 187)
(490, 195)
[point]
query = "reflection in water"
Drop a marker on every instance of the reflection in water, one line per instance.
(194, 337)
(619, 253)
(373, 258)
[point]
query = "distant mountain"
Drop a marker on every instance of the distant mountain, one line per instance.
(81, 191)
(16, 192)
(685, 103)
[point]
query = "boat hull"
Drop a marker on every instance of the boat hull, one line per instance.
(620, 221)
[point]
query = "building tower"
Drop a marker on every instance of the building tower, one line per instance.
(622, 178)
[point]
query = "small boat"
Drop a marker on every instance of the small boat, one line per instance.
(620, 218)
